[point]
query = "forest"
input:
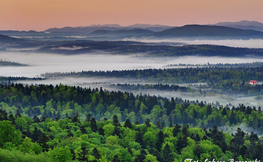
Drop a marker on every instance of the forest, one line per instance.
(184, 75)
(9, 63)
(65, 123)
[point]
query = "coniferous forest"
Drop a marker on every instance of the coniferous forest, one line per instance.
(67, 123)
(136, 93)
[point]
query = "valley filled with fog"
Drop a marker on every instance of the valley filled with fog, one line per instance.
(40, 63)
(249, 43)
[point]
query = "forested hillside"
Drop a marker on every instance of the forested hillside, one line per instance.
(109, 140)
(65, 101)
(64, 123)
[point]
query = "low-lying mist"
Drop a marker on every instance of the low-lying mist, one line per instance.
(251, 43)
(40, 63)
(107, 83)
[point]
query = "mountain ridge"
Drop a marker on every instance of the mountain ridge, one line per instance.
(244, 24)
(208, 31)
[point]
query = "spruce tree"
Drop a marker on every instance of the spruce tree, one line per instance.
(176, 130)
(43, 142)
(160, 140)
(116, 121)
(197, 151)
(142, 155)
(101, 131)
(83, 130)
(158, 155)
(128, 124)
(243, 150)
(258, 152)
(171, 123)
(116, 131)
(139, 137)
(88, 118)
(93, 125)
(147, 123)
(167, 154)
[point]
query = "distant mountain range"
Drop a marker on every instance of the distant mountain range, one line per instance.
(208, 31)
(252, 25)
(132, 32)
(20, 33)
(7, 39)
(222, 30)
(110, 27)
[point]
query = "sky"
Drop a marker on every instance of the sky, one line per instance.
(43, 14)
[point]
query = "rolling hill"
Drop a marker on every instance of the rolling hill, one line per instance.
(132, 32)
(7, 39)
(208, 31)
(244, 24)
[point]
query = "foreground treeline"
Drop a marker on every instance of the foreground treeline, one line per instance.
(63, 101)
(24, 139)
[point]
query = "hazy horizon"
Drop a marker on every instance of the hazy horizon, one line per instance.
(43, 14)
(110, 24)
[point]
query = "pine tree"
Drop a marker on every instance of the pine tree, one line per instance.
(232, 118)
(160, 140)
(139, 137)
(176, 130)
(224, 146)
(43, 142)
(208, 110)
(171, 123)
(258, 152)
(142, 155)
(116, 131)
(128, 124)
(18, 114)
(239, 136)
(243, 150)
(158, 155)
(83, 130)
(151, 147)
(116, 121)
(185, 130)
(167, 154)
(101, 131)
(12, 119)
(197, 151)
(157, 123)
(93, 125)
(36, 134)
(88, 118)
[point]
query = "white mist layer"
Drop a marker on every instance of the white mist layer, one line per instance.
(251, 43)
(42, 63)
(93, 82)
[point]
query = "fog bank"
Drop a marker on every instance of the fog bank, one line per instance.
(41, 63)
(251, 43)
